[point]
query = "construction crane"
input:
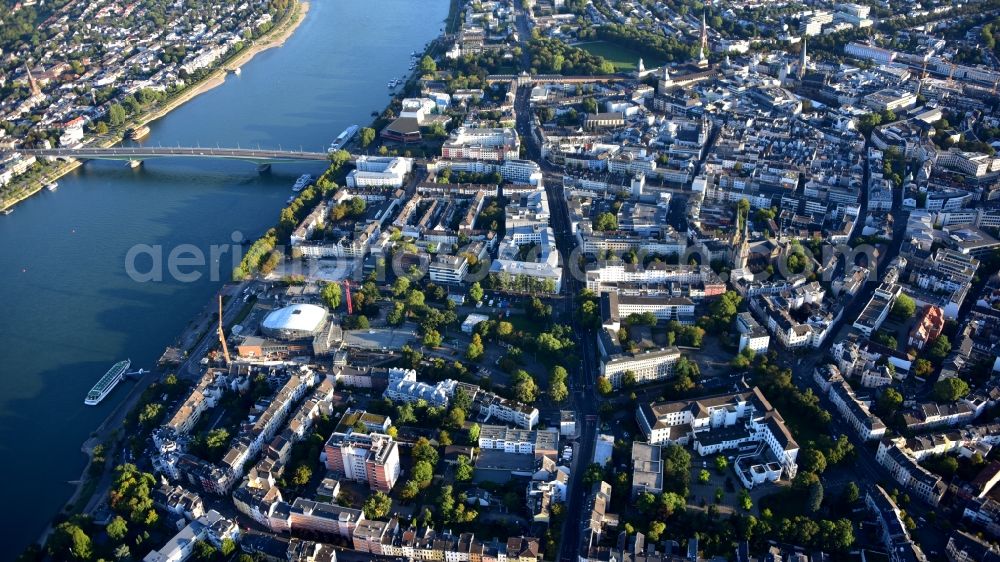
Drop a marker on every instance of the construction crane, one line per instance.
(347, 296)
(222, 335)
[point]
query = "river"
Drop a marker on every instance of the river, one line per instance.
(71, 310)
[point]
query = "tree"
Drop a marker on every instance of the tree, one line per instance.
(746, 502)
(150, 414)
(338, 158)
(525, 389)
(101, 128)
(629, 378)
(432, 339)
(656, 529)
(117, 528)
(676, 469)
(463, 469)
(922, 368)
(446, 503)
(604, 386)
(815, 498)
(377, 506)
(116, 115)
(704, 476)
(851, 493)
(67, 541)
(400, 286)
(904, 306)
(606, 221)
(130, 494)
(302, 475)
(721, 463)
(476, 292)
(331, 295)
(423, 473)
(939, 348)
(427, 65)
(367, 136)
(950, 389)
(944, 465)
(671, 502)
(593, 474)
(227, 547)
(724, 309)
(397, 314)
(474, 433)
(456, 418)
(868, 122)
(558, 391)
(475, 350)
(424, 451)
(812, 460)
(410, 490)
(537, 310)
(204, 551)
(890, 401)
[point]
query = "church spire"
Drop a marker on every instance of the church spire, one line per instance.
(703, 47)
(32, 83)
(803, 58)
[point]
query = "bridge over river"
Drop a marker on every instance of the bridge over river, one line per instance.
(262, 157)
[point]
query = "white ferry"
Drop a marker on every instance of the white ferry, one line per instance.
(343, 138)
(107, 383)
(302, 182)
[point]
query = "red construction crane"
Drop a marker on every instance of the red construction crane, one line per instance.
(222, 335)
(347, 296)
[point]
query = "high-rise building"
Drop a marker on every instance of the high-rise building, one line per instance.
(358, 449)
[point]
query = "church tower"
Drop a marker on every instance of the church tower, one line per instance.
(32, 83)
(803, 59)
(741, 245)
(703, 48)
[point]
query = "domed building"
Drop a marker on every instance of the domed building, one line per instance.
(295, 322)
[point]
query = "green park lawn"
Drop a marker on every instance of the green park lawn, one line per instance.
(623, 58)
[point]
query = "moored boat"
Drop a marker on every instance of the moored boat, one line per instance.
(302, 182)
(343, 138)
(107, 383)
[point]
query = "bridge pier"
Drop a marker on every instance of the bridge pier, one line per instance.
(263, 168)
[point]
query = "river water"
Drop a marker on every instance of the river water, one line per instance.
(70, 310)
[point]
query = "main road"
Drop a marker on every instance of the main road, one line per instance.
(583, 376)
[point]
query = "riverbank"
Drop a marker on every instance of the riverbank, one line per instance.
(275, 37)
(101, 213)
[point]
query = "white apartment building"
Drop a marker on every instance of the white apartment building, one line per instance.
(752, 334)
(867, 425)
(448, 269)
(722, 422)
(648, 366)
(404, 387)
(518, 441)
(482, 144)
(379, 171)
(871, 52)
(908, 473)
